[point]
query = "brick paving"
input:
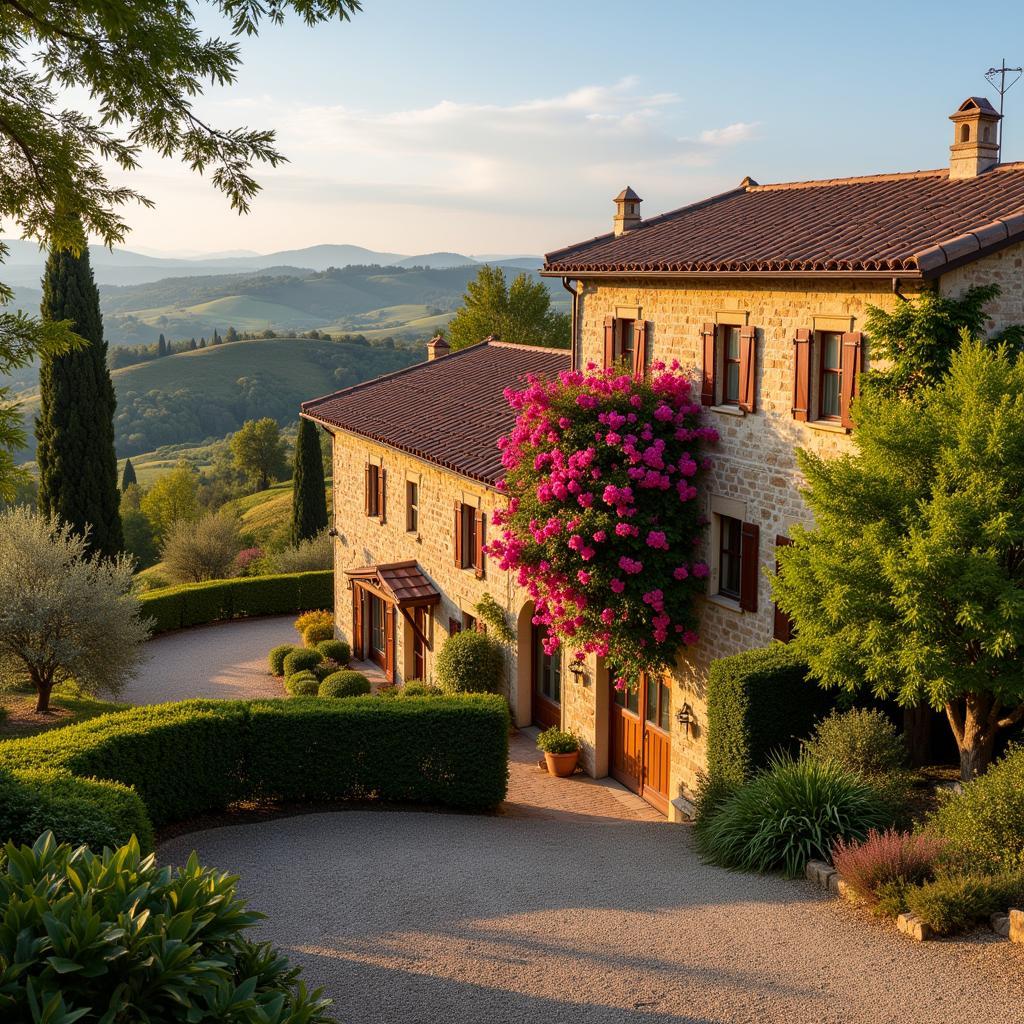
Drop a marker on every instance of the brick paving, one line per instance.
(533, 793)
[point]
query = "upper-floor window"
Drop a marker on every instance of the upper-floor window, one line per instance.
(729, 346)
(468, 538)
(730, 556)
(729, 368)
(830, 375)
(412, 506)
(375, 491)
(826, 375)
(735, 555)
(625, 343)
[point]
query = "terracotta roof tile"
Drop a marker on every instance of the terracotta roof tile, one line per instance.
(449, 411)
(889, 223)
(405, 582)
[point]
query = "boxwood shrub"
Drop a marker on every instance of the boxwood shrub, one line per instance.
(470, 662)
(302, 684)
(345, 684)
(276, 658)
(301, 659)
(759, 702)
(192, 604)
(335, 650)
(194, 757)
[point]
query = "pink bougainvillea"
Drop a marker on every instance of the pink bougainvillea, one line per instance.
(601, 525)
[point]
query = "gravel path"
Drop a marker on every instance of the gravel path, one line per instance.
(409, 917)
(227, 659)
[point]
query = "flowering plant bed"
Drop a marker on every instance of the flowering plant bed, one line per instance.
(602, 523)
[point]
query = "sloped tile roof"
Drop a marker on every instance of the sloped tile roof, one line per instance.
(449, 411)
(404, 582)
(917, 223)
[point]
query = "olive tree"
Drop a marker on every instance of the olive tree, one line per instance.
(911, 581)
(63, 614)
(202, 550)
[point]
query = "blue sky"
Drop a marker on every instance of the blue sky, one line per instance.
(486, 127)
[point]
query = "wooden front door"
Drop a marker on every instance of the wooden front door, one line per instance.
(547, 683)
(377, 618)
(639, 739)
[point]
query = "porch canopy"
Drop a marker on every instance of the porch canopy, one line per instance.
(400, 585)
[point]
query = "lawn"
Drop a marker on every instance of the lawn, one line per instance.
(19, 717)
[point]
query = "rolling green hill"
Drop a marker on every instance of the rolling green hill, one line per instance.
(196, 396)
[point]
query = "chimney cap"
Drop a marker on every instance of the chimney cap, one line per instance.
(974, 105)
(437, 347)
(627, 194)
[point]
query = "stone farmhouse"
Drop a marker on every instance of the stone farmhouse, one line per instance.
(761, 293)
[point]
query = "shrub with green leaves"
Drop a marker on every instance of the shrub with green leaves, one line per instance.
(277, 656)
(557, 741)
(791, 813)
(317, 634)
(419, 688)
(955, 903)
(470, 662)
(884, 859)
(302, 684)
(983, 824)
(345, 684)
(759, 702)
(119, 938)
(301, 659)
(319, 617)
(335, 650)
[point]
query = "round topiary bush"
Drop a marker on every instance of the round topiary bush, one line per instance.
(325, 669)
(76, 957)
(302, 684)
(470, 662)
(335, 650)
(302, 659)
(277, 656)
(318, 633)
(345, 684)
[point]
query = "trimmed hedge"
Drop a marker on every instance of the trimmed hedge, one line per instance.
(195, 757)
(759, 702)
(192, 604)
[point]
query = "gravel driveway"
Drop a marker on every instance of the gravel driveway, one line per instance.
(227, 659)
(415, 917)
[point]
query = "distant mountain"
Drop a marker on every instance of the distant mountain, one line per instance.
(435, 260)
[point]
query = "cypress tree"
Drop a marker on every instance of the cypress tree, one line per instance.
(75, 426)
(192, 345)
(309, 501)
(128, 477)
(202, 343)
(161, 347)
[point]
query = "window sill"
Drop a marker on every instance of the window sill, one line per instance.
(828, 426)
(728, 410)
(725, 602)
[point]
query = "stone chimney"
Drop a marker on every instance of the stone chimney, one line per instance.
(437, 347)
(627, 212)
(975, 146)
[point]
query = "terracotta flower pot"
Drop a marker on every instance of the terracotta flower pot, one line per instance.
(562, 765)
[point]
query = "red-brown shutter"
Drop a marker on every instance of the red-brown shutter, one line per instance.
(478, 554)
(783, 624)
(609, 341)
(382, 476)
(454, 626)
(748, 369)
(457, 535)
(707, 384)
(802, 345)
(368, 484)
(750, 566)
(639, 348)
(850, 386)
(357, 622)
(389, 642)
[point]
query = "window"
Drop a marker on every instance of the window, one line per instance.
(729, 346)
(624, 341)
(419, 651)
(412, 506)
(376, 479)
(730, 557)
(830, 375)
(469, 623)
(454, 626)
(469, 538)
(657, 703)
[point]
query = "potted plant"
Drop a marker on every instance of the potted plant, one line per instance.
(561, 751)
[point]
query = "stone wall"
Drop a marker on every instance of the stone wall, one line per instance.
(1006, 269)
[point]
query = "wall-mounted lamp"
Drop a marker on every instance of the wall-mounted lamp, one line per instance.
(685, 717)
(579, 673)
(332, 532)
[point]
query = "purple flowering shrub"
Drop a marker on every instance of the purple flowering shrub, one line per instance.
(602, 519)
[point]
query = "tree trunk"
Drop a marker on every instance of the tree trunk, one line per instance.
(43, 689)
(974, 719)
(917, 733)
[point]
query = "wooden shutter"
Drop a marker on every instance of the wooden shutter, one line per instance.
(389, 641)
(707, 384)
(639, 348)
(357, 622)
(368, 488)
(457, 535)
(850, 384)
(454, 626)
(748, 369)
(382, 476)
(750, 566)
(783, 624)
(802, 346)
(609, 341)
(478, 553)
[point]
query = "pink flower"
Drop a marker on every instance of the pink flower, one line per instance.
(599, 536)
(656, 539)
(583, 576)
(630, 565)
(680, 572)
(617, 586)
(700, 570)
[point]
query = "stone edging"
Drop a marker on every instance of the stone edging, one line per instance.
(824, 875)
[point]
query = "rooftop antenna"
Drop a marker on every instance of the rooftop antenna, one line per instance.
(1000, 73)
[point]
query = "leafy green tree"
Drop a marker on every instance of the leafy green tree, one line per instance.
(259, 452)
(139, 541)
(231, 334)
(911, 582)
(520, 313)
(75, 427)
(914, 343)
(202, 550)
(128, 476)
(309, 499)
(141, 65)
(173, 497)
